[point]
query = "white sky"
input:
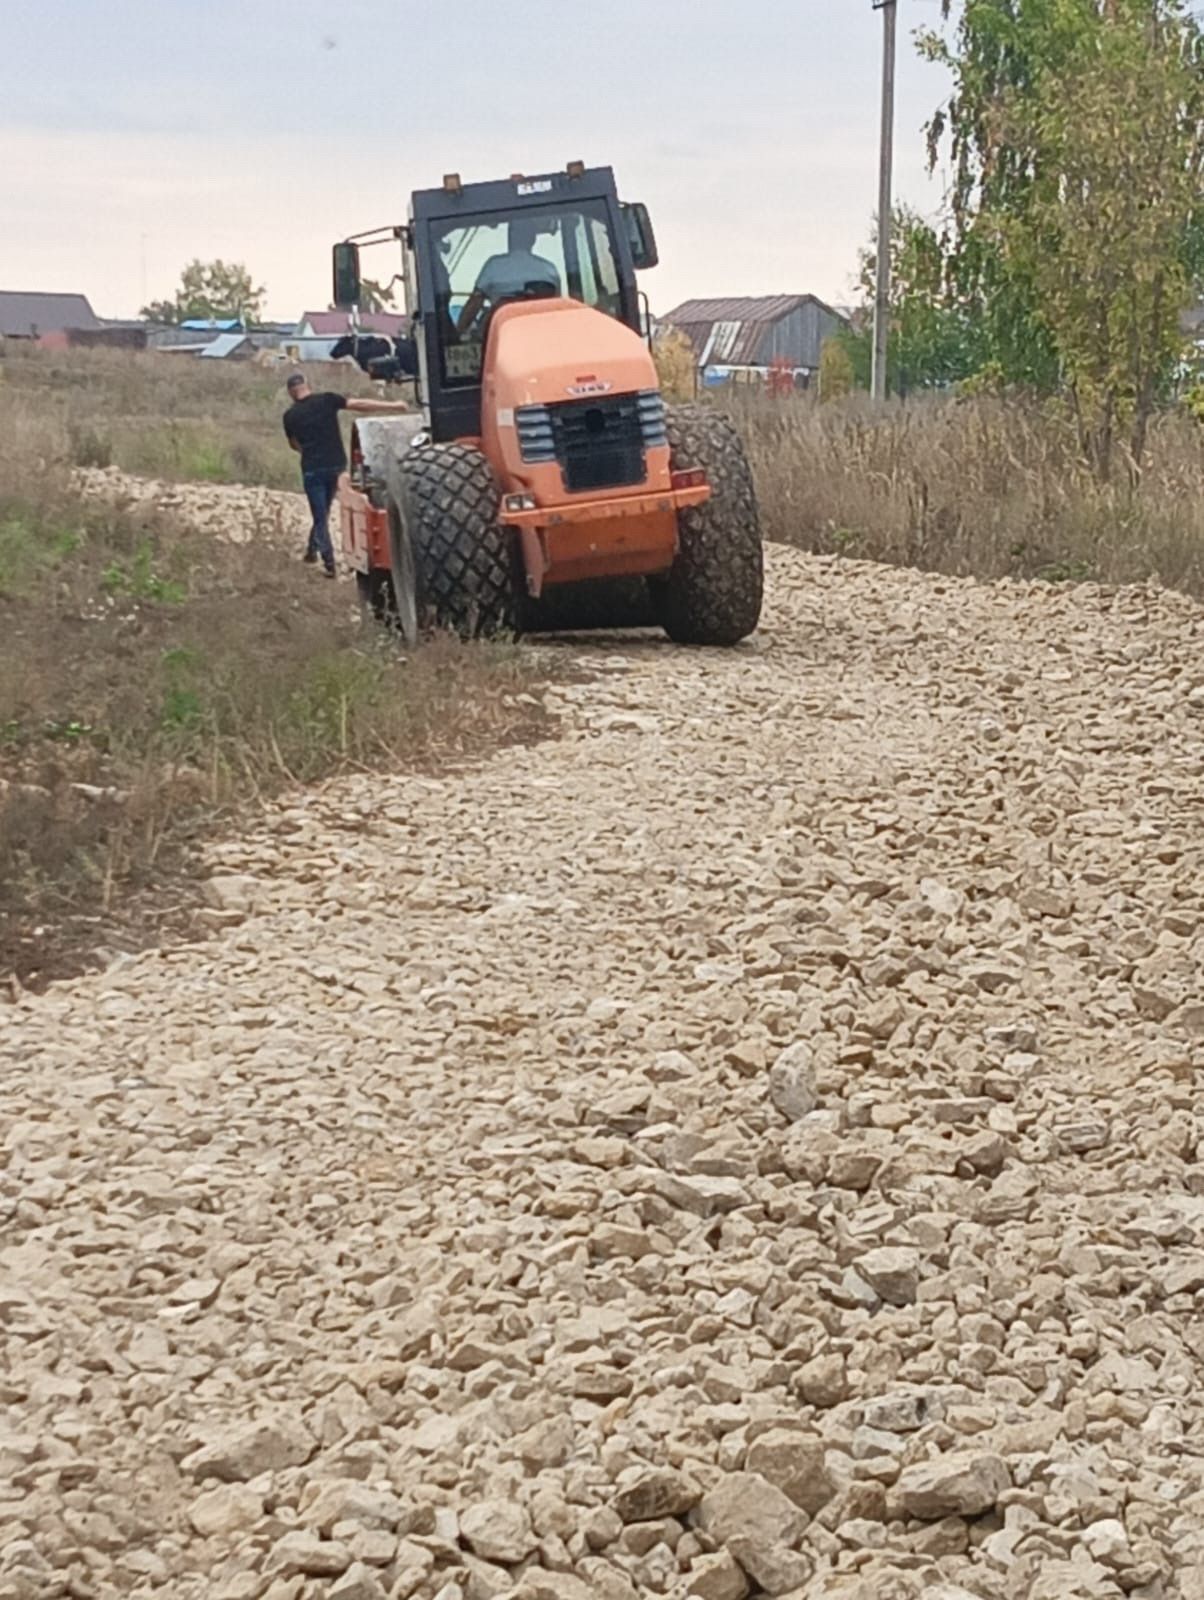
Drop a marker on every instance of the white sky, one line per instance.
(136, 134)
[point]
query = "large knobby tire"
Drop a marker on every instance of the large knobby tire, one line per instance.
(713, 592)
(451, 557)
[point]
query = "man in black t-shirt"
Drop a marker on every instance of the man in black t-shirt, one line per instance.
(311, 426)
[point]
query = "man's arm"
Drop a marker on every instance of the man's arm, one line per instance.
(378, 408)
(480, 296)
(472, 309)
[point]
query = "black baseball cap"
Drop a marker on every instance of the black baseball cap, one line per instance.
(295, 380)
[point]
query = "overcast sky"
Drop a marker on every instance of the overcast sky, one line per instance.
(135, 134)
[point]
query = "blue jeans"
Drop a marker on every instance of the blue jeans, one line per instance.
(320, 490)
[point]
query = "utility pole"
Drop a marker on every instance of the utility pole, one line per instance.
(889, 10)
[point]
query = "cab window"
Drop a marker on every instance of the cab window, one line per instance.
(483, 262)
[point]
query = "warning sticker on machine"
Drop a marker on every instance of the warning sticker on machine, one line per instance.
(535, 186)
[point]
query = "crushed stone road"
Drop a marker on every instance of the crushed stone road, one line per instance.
(747, 1145)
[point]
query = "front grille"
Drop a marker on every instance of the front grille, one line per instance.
(599, 442)
(535, 437)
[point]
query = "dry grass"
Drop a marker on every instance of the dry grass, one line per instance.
(152, 679)
(979, 487)
(165, 416)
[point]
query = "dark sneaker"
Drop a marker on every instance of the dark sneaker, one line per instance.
(310, 557)
(328, 572)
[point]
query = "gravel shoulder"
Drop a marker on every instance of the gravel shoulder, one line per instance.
(747, 1145)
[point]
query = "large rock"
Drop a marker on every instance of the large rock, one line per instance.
(1108, 1542)
(716, 1577)
(794, 1463)
(346, 1500)
(963, 1483)
(359, 1582)
(300, 1554)
(223, 1510)
(758, 1525)
(823, 1381)
(498, 1530)
(546, 1443)
(649, 1493)
(705, 1196)
(539, 1585)
(892, 1272)
(268, 1444)
(792, 1086)
(746, 1503)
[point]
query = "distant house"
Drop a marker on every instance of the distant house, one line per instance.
(230, 347)
(28, 316)
(749, 334)
(198, 337)
(319, 331)
(110, 335)
(178, 347)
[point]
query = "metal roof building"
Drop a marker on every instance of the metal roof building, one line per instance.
(26, 316)
(756, 330)
(229, 346)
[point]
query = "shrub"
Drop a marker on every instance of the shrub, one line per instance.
(675, 365)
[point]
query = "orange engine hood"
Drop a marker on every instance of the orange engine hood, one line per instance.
(545, 351)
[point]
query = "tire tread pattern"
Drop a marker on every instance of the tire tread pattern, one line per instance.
(715, 587)
(450, 500)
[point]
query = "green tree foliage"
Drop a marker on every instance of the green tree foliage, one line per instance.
(836, 376)
(999, 51)
(214, 289)
(930, 341)
(1074, 140)
(1107, 235)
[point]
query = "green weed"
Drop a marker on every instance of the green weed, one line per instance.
(136, 579)
(31, 544)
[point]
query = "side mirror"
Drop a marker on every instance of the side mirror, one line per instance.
(346, 265)
(640, 236)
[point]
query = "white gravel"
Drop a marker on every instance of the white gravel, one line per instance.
(746, 1145)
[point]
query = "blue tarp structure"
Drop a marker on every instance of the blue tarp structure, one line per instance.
(213, 324)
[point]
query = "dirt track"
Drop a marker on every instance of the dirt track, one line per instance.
(748, 1144)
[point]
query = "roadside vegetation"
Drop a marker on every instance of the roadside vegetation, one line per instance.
(163, 416)
(154, 679)
(978, 486)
